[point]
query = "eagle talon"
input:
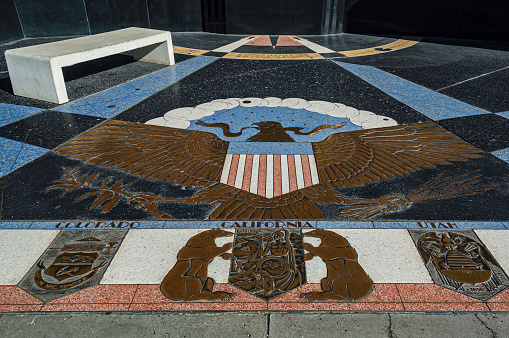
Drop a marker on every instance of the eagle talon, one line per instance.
(145, 199)
(393, 203)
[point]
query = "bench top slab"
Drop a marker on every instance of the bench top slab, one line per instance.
(128, 36)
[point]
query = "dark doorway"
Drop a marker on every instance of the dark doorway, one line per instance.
(213, 16)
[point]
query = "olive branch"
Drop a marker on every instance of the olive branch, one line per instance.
(108, 195)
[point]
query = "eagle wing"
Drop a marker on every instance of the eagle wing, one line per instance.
(354, 158)
(181, 156)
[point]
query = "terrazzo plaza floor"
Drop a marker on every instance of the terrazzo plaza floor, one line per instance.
(280, 173)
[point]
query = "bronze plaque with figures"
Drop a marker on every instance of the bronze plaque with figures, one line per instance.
(458, 260)
(268, 263)
(75, 260)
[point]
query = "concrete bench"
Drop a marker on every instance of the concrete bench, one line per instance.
(36, 71)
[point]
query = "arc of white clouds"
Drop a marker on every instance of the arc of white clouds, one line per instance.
(182, 117)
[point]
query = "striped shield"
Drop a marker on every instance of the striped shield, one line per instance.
(270, 169)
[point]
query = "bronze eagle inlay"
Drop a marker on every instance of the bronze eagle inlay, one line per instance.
(343, 160)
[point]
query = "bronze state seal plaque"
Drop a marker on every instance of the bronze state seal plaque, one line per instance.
(267, 263)
(75, 260)
(457, 260)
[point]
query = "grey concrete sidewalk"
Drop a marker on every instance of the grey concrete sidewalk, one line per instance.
(393, 325)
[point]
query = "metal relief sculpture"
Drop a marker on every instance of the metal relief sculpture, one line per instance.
(77, 259)
(459, 261)
(188, 280)
(267, 263)
(271, 181)
(346, 280)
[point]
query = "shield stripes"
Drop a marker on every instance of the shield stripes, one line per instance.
(270, 175)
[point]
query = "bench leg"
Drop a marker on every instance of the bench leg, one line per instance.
(161, 53)
(36, 79)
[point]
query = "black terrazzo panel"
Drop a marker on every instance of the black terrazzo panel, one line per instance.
(182, 57)
(310, 80)
(490, 205)
(488, 91)
(28, 197)
(96, 75)
(205, 41)
(474, 75)
(215, 54)
(488, 132)
(272, 50)
(48, 129)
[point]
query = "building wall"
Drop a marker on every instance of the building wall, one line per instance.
(34, 18)
(274, 17)
(10, 27)
(474, 19)
(108, 15)
(175, 15)
(52, 17)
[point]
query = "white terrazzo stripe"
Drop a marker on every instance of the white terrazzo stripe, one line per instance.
(232, 46)
(285, 180)
(496, 241)
(147, 255)
(253, 188)
(315, 268)
(314, 171)
(20, 250)
(298, 171)
(269, 184)
(226, 168)
(239, 178)
(387, 255)
(315, 47)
